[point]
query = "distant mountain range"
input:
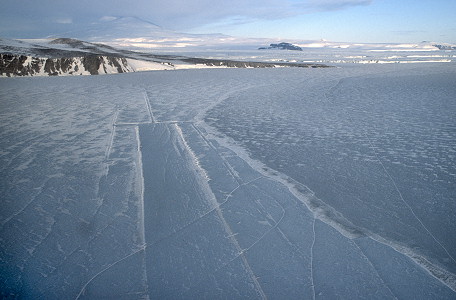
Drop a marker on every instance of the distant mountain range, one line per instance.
(129, 44)
(131, 32)
(282, 46)
(65, 56)
(445, 47)
(135, 33)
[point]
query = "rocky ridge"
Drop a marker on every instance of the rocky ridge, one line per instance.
(21, 65)
(64, 56)
(282, 46)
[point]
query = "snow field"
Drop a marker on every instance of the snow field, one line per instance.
(155, 185)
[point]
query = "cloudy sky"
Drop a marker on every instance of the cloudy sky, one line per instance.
(334, 20)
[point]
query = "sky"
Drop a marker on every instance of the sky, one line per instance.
(373, 21)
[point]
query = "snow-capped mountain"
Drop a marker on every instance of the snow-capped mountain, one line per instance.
(65, 56)
(138, 34)
(131, 32)
(115, 28)
(127, 44)
(20, 65)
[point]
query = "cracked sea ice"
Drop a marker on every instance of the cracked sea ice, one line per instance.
(229, 184)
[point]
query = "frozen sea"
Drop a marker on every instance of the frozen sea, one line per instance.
(284, 183)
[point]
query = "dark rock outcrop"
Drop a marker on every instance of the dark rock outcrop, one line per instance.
(21, 65)
(248, 64)
(282, 46)
(75, 57)
(15, 65)
(445, 47)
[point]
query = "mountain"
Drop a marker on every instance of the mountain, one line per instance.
(121, 28)
(20, 65)
(131, 32)
(445, 47)
(282, 46)
(128, 44)
(66, 56)
(136, 34)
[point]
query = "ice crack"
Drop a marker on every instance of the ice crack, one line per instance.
(312, 283)
(105, 269)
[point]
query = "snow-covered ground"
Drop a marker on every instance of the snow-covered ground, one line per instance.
(68, 56)
(369, 54)
(237, 183)
(135, 33)
(148, 46)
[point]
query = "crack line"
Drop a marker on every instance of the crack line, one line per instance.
(312, 260)
(105, 269)
(375, 269)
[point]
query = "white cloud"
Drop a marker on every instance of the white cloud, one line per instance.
(64, 21)
(173, 14)
(190, 13)
(108, 18)
(330, 5)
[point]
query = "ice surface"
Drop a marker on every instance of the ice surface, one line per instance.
(361, 54)
(279, 183)
(379, 162)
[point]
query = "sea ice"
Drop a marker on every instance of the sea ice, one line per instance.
(278, 183)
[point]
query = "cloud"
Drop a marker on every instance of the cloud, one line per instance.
(173, 14)
(331, 5)
(407, 32)
(108, 18)
(177, 13)
(64, 21)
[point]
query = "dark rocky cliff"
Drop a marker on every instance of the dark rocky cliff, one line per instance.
(21, 65)
(64, 56)
(282, 46)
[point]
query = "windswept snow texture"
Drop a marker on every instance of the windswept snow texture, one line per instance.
(230, 184)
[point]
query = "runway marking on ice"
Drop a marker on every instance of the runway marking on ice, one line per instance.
(207, 213)
(192, 154)
(148, 123)
(131, 124)
(142, 230)
(141, 183)
(219, 205)
(226, 226)
(107, 154)
(225, 162)
(111, 138)
(146, 99)
(216, 207)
